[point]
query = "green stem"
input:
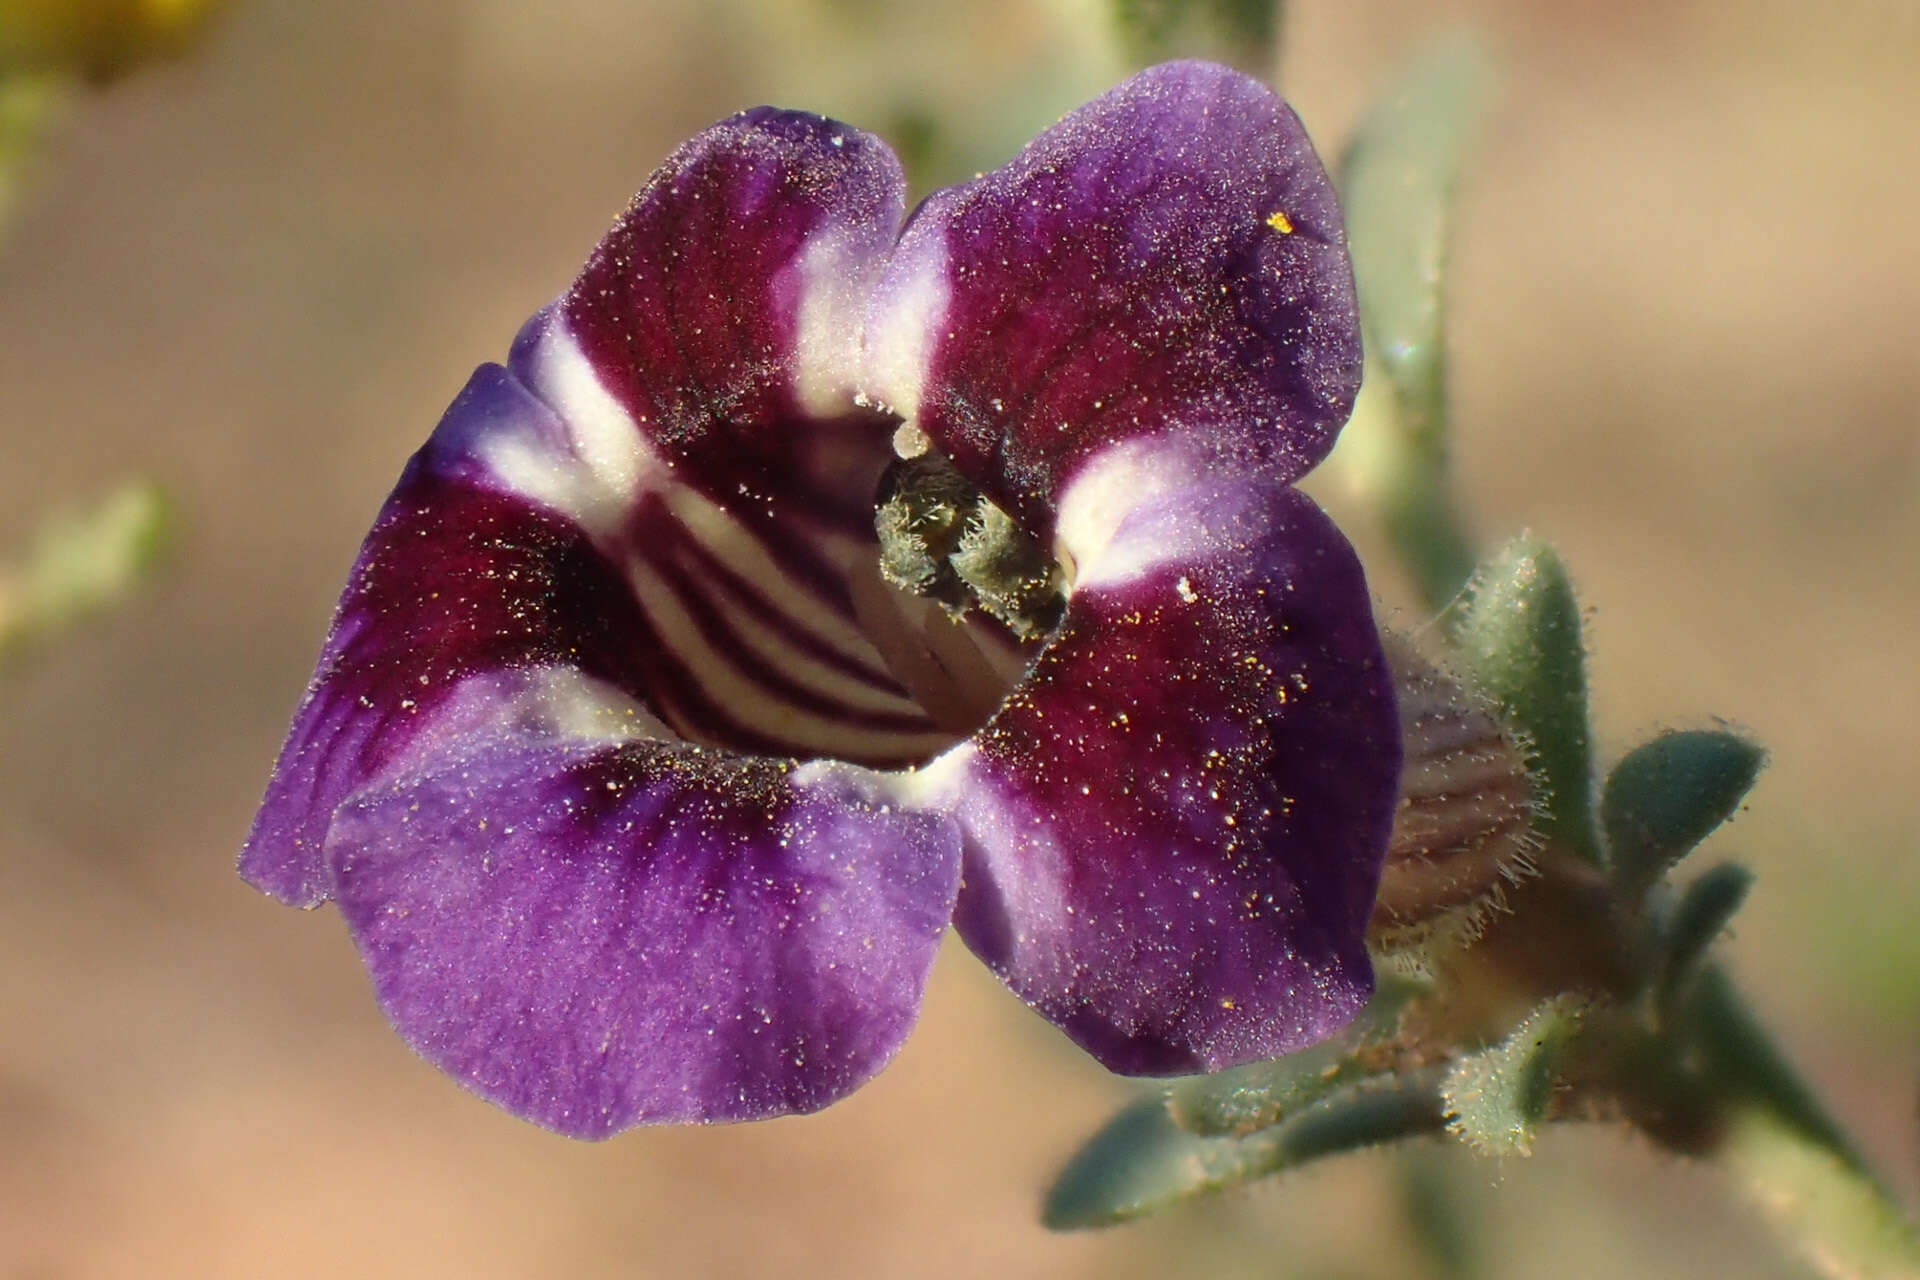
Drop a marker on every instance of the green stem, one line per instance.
(1789, 1154)
(1426, 530)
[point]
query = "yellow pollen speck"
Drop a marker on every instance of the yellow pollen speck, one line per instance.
(1280, 222)
(1227, 1002)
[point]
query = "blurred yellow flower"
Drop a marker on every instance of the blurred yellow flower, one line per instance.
(101, 38)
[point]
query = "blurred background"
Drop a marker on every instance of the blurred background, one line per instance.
(1686, 300)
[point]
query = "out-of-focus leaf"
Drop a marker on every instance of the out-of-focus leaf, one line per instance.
(1497, 1098)
(1245, 33)
(82, 562)
(1743, 1061)
(1440, 1222)
(1142, 1162)
(1398, 180)
(1666, 797)
(1518, 625)
(28, 101)
(1262, 1094)
(1838, 1216)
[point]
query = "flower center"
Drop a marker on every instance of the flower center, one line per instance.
(963, 599)
(822, 596)
(941, 538)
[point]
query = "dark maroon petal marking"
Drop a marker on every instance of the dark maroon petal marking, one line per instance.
(1170, 253)
(724, 308)
(723, 583)
(597, 936)
(721, 637)
(1174, 828)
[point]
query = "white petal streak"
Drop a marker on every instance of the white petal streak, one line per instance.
(1109, 487)
(904, 323)
(737, 547)
(834, 277)
(597, 478)
(606, 438)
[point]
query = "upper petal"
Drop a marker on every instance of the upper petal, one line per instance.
(1172, 252)
(546, 761)
(729, 296)
(670, 489)
(1174, 827)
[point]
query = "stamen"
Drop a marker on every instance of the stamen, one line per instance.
(941, 538)
(920, 514)
(1010, 576)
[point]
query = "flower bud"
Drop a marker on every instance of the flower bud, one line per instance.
(1464, 827)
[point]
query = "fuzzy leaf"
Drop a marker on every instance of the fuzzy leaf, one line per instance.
(1142, 1162)
(1518, 624)
(1665, 797)
(1261, 1094)
(1497, 1098)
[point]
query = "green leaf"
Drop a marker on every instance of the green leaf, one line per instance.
(1518, 625)
(1743, 1062)
(1142, 1162)
(1261, 1094)
(1497, 1098)
(1665, 797)
(1778, 1140)
(1701, 915)
(1398, 180)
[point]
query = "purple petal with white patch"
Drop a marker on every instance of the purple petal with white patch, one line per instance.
(1168, 257)
(609, 602)
(645, 485)
(1174, 826)
(1134, 336)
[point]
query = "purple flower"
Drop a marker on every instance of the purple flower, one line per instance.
(647, 795)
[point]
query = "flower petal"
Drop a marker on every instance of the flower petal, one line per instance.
(597, 934)
(729, 297)
(1174, 827)
(460, 577)
(1172, 252)
(669, 489)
